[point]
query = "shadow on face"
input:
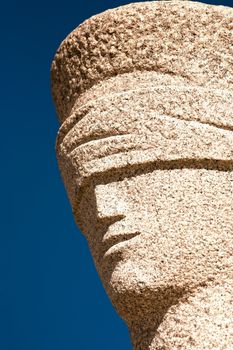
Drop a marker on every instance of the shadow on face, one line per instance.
(155, 232)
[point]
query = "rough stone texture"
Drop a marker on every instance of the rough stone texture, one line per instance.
(144, 93)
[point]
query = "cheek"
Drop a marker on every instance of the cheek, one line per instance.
(176, 258)
(176, 250)
(186, 230)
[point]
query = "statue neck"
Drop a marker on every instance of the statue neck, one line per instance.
(201, 320)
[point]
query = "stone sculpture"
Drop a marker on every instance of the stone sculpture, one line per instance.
(144, 95)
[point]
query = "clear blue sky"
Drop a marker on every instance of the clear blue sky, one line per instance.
(50, 294)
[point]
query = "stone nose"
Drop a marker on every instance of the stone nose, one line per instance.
(109, 202)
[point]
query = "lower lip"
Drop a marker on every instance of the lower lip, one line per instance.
(116, 248)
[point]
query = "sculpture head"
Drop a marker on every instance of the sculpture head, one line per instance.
(146, 149)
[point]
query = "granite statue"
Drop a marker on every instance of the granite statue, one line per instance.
(144, 94)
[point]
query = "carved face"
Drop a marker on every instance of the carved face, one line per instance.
(167, 227)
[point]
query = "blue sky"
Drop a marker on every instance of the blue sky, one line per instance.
(50, 294)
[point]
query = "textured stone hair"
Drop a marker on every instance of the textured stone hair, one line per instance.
(179, 38)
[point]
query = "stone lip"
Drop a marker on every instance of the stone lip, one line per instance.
(191, 40)
(112, 241)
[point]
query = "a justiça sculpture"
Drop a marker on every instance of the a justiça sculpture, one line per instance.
(144, 94)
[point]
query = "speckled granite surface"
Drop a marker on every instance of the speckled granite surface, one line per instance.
(144, 94)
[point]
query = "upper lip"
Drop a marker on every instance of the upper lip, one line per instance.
(116, 238)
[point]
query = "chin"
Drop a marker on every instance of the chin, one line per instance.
(144, 277)
(137, 290)
(138, 274)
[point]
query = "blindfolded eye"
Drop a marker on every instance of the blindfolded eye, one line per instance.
(104, 137)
